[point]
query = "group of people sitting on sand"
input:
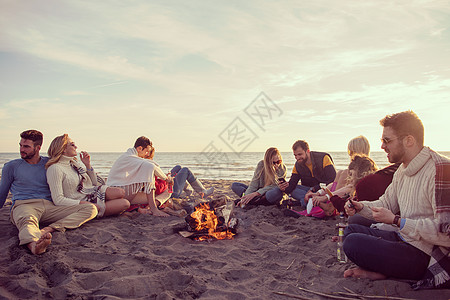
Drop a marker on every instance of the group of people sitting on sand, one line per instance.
(412, 195)
(64, 192)
(408, 201)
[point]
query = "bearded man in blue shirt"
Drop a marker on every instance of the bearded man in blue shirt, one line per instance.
(31, 199)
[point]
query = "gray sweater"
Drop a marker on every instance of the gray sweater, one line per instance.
(258, 185)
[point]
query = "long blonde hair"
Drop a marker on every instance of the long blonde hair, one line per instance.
(56, 149)
(270, 173)
(358, 145)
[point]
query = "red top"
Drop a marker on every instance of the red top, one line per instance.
(370, 188)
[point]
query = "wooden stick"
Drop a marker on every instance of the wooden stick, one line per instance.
(300, 274)
(349, 290)
(352, 292)
(290, 265)
(373, 297)
(290, 295)
(325, 295)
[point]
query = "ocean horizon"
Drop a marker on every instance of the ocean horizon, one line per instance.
(215, 166)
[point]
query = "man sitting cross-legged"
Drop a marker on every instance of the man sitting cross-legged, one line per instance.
(417, 202)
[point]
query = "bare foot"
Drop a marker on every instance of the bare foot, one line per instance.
(361, 273)
(47, 229)
(159, 213)
(144, 211)
(148, 211)
(40, 246)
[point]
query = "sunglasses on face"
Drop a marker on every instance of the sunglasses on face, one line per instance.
(277, 162)
(388, 140)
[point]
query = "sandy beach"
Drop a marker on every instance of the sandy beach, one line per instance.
(140, 257)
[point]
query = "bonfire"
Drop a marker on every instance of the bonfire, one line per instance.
(209, 223)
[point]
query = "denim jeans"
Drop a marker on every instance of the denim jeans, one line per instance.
(298, 193)
(182, 174)
(384, 252)
(273, 196)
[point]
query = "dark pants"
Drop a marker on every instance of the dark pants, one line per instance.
(360, 220)
(384, 252)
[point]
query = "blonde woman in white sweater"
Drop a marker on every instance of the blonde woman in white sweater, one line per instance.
(71, 184)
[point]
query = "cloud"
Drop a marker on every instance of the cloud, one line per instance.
(197, 65)
(76, 93)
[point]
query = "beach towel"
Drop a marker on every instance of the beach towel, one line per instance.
(132, 173)
(437, 274)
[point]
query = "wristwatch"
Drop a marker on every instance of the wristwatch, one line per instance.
(395, 222)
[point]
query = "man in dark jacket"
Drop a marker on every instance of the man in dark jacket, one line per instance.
(311, 168)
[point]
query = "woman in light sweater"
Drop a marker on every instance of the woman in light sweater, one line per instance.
(263, 187)
(71, 184)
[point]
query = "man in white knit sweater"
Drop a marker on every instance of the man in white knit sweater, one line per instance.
(410, 203)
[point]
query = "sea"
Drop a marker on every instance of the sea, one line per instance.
(224, 165)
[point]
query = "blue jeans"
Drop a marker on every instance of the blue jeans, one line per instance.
(182, 174)
(298, 193)
(384, 252)
(272, 196)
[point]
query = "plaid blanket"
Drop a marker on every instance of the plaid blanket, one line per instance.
(437, 275)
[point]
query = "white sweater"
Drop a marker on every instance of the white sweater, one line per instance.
(63, 181)
(412, 195)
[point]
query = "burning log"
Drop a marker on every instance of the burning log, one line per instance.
(207, 223)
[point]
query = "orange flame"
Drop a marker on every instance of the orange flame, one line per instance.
(207, 219)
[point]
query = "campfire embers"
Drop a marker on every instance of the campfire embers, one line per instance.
(208, 223)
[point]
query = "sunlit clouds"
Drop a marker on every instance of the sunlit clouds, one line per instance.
(180, 72)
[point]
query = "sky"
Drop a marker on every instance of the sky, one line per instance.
(215, 76)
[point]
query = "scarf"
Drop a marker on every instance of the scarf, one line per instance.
(437, 274)
(94, 194)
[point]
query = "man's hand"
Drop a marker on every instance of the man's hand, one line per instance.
(352, 207)
(381, 214)
(283, 185)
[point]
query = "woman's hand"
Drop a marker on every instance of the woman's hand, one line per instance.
(316, 199)
(247, 198)
(309, 194)
(85, 159)
(284, 185)
(169, 179)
